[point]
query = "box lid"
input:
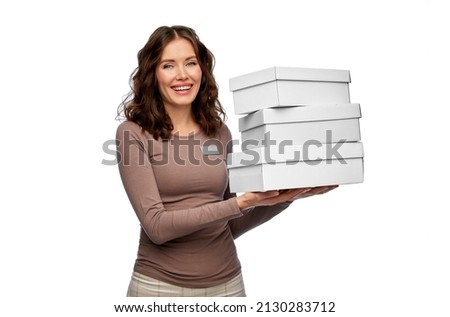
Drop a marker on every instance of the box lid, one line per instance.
(295, 153)
(288, 73)
(299, 114)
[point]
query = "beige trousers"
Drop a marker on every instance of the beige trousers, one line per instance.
(144, 286)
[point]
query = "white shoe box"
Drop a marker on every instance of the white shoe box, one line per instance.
(273, 168)
(301, 124)
(289, 86)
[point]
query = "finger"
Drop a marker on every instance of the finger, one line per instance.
(293, 191)
(285, 191)
(331, 187)
(328, 188)
(302, 190)
(284, 195)
(321, 190)
(296, 193)
(267, 194)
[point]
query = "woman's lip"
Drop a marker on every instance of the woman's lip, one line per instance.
(182, 87)
(182, 90)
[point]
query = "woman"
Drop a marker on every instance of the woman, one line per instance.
(173, 147)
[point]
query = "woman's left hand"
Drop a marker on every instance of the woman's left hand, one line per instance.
(310, 192)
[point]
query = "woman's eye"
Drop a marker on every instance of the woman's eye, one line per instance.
(191, 63)
(167, 66)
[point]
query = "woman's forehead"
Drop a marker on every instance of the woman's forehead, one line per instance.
(178, 49)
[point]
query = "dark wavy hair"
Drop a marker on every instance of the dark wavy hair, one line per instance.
(143, 104)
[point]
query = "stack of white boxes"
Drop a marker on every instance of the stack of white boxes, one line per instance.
(299, 129)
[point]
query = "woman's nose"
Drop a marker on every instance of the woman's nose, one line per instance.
(181, 75)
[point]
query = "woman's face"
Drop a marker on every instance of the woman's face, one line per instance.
(178, 73)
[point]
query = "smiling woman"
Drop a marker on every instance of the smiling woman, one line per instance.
(178, 190)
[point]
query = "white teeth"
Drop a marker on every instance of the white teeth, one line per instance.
(181, 88)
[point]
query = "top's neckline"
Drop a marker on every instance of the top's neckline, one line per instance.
(197, 133)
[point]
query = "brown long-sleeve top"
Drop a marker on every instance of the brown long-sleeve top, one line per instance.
(189, 219)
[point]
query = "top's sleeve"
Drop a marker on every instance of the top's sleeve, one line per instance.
(161, 225)
(253, 216)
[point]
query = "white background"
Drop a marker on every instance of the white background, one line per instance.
(68, 233)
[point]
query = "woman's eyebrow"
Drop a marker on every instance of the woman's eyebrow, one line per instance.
(172, 60)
